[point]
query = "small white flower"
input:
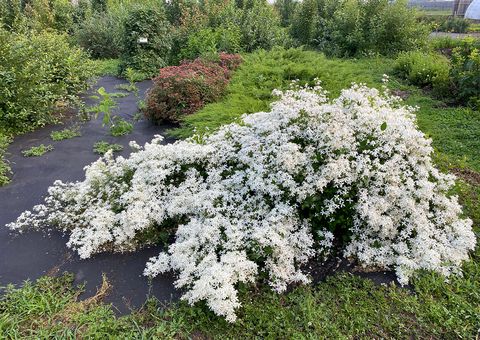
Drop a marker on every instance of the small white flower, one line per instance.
(252, 194)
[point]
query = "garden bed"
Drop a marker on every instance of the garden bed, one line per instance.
(343, 303)
(34, 254)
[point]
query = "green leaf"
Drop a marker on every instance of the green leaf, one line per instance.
(102, 91)
(106, 119)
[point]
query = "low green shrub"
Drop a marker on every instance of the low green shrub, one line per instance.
(454, 25)
(147, 41)
(355, 27)
(100, 35)
(424, 70)
(39, 75)
(466, 72)
(452, 69)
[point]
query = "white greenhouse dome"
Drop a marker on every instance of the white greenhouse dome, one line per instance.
(473, 11)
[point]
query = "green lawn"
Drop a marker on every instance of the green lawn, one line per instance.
(438, 12)
(344, 306)
(106, 67)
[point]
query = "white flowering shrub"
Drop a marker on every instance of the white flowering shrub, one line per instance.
(263, 197)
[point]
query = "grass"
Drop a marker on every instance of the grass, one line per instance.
(474, 28)
(344, 306)
(65, 134)
(455, 131)
(102, 147)
(438, 12)
(36, 151)
(106, 67)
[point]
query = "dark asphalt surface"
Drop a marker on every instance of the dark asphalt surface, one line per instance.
(34, 253)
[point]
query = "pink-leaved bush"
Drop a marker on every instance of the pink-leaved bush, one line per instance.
(182, 90)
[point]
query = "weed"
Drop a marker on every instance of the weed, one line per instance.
(141, 105)
(106, 105)
(102, 147)
(119, 94)
(132, 76)
(65, 134)
(120, 127)
(36, 151)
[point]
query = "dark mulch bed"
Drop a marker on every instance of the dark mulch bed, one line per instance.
(34, 254)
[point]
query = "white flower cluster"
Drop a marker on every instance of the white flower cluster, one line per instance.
(267, 195)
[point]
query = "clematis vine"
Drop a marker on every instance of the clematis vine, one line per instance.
(270, 193)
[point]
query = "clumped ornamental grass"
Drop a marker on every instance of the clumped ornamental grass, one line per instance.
(262, 198)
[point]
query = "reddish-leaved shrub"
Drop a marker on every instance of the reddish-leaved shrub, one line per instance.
(229, 61)
(184, 89)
